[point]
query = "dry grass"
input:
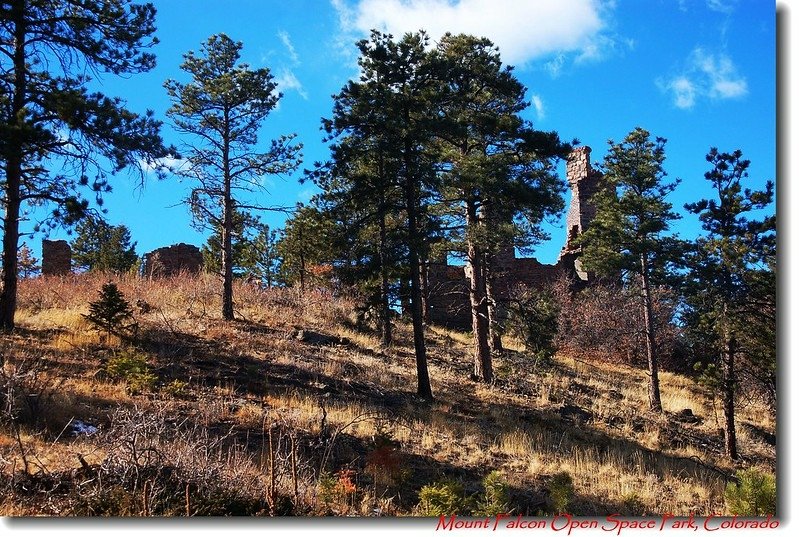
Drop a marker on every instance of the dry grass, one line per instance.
(326, 409)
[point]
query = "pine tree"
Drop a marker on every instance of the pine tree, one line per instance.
(732, 278)
(99, 246)
(28, 265)
(222, 109)
(243, 225)
(48, 52)
(500, 180)
(388, 112)
(627, 237)
(111, 311)
(304, 244)
(263, 256)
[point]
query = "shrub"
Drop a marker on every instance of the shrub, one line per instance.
(561, 491)
(130, 366)
(337, 491)
(603, 321)
(494, 499)
(177, 388)
(755, 494)
(533, 318)
(444, 497)
(384, 462)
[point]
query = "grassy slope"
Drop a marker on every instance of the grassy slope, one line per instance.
(226, 392)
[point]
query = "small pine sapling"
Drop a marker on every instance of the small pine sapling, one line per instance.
(111, 311)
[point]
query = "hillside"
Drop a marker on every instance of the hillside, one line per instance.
(290, 410)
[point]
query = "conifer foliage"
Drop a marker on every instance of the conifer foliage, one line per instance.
(628, 236)
(221, 110)
(49, 51)
(111, 311)
(732, 277)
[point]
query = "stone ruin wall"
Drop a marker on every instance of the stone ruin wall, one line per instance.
(167, 261)
(173, 261)
(583, 181)
(448, 284)
(449, 296)
(56, 258)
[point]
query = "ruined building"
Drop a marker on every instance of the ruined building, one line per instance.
(168, 261)
(448, 285)
(173, 260)
(56, 258)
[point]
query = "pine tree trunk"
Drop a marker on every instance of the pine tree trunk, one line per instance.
(8, 297)
(479, 304)
(730, 443)
(227, 237)
(651, 351)
(385, 305)
(423, 268)
(494, 327)
(13, 182)
(227, 264)
(423, 377)
(385, 289)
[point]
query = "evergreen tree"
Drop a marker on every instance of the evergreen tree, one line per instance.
(243, 225)
(28, 265)
(362, 191)
(627, 237)
(49, 49)
(389, 110)
(262, 259)
(500, 180)
(221, 109)
(111, 311)
(304, 245)
(253, 246)
(100, 246)
(732, 278)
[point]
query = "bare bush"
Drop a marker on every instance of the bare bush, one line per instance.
(604, 321)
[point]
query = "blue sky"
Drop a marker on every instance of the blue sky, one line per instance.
(700, 73)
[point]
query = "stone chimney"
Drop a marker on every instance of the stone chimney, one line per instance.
(56, 258)
(584, 183)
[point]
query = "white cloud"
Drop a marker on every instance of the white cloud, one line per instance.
(345, 15)
(523, 30)
(292, 52)
(538, 104)
(722, 6)
(170, 164)
(306, 194)
(706, 76)
(684, 92)
(555, 65)
(286, 81)
(343, 42)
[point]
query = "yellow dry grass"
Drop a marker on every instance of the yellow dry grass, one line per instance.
(251, 376)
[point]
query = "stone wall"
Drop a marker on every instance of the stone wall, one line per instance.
(448, 296)
(583, 181)
(56, 258)
(173, 260)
